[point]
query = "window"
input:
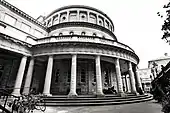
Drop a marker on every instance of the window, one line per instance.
(83, 75)
(71, 33)
(57, 74)
(92, 18)
(94, 34)
(1, 70)
(83, 33)
(94, 77)
(63, 18)
(107, 24)
(69, 76)
(49, 23)
(55, 19)
(106, 76)
(73, 16)
(60, 34)
(83, 16)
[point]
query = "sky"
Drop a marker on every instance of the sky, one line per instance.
(135, 21)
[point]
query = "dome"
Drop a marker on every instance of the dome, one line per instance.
(92, 20)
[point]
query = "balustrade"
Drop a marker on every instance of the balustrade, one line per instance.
(82, 39)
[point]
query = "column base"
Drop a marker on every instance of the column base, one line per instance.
(72, 95)
(100, 94)
(16, 93)
(122, 94)
(140, 91)
(47, 94)
(135, 93)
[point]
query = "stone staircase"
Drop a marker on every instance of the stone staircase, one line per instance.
(89, 100)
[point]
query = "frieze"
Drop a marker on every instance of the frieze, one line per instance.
(80, 48)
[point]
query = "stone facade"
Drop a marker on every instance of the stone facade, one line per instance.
(72, 52)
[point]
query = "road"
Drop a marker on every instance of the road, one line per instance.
(143, 107)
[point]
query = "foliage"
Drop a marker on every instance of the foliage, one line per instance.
(166, 24)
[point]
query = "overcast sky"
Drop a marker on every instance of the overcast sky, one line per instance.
(136, 22)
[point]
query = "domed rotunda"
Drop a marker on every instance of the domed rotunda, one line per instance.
(72, 52)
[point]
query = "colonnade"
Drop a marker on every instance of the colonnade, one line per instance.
(72, 93)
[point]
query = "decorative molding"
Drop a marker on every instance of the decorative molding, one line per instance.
(14, 45)
(79, 48)
(80, 24)
(21, 13)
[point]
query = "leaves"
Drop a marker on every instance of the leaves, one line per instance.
(166, 25)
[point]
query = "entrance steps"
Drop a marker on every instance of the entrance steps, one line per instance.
(88, 100)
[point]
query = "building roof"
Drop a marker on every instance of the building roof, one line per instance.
(80, 6)
(20, 13)
(161, 58)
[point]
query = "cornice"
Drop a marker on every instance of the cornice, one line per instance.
(80, 24)
(6, 37)
(106, 48)
(21, 13)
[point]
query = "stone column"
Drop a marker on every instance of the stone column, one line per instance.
(48, 76)
(19, 78)
(127, 89)
(28, 77)
(139, 84)
(132, 79)
(99, 88)
(119, 79)
(72, 92)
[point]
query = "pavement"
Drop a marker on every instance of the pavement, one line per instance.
(142, 107)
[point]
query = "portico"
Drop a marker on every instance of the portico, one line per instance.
(77, 74)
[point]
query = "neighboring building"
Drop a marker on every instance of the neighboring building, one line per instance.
(150, 73)
(157, 64)
(145, 77)
(72, 52)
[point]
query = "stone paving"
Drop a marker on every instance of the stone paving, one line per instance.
(143, 107)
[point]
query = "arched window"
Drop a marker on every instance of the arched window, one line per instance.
(94, 34)
(63, 18)
(71, 33)
(83, 33)
(60, 34)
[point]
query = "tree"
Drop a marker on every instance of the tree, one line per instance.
(166, 24)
